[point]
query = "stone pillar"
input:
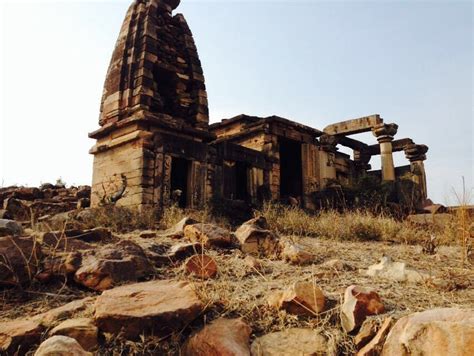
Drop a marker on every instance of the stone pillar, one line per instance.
(327, 159)
(416, 154)
(385, 134)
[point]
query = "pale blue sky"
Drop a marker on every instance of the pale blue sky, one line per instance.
(310, 61)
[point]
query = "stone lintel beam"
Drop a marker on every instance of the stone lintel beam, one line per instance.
(355, 126)
(397, 146)
(354, 144)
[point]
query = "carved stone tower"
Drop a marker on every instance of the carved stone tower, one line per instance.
(153, 112)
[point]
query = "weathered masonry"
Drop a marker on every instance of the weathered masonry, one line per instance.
(155, 145)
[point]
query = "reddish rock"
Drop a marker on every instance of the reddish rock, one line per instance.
(374, 347)
(208, 235)
(359, 302)
(19, 260)
(444, 331)
(18, 336)
(302, 298)
(82, 330)
(223, 337)
(61, 346)
(177, 231)
(54, 316)
(201, 266)
(255, 238)
(157, 307)
(102, 269)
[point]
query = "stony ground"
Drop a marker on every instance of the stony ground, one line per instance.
(242, 290)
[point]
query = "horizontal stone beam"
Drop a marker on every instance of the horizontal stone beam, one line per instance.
(355, 126)
(354, 144)
(397, 146)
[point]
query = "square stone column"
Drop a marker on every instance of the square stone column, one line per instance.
(385, 134)
(416, 154)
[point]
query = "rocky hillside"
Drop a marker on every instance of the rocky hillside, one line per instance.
(200, 288)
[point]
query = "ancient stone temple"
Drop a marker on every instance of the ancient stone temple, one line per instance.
(155, 145)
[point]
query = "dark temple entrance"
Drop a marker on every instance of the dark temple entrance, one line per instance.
(236, 181)
(291, 169)
(179, 181)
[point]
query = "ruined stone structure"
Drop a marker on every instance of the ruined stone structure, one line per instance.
(155, 145)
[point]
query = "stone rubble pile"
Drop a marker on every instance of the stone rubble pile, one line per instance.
(128, 306)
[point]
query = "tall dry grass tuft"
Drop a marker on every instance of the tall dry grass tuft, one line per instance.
(464, 224)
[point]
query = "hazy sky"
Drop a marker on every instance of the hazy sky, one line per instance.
(310, 61)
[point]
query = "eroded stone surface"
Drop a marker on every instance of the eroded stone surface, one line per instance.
(61, 346)
(255, 238)
(82, 330)
(226, 337)
(209, 235)
(19, 335)
(302, 298)
(150, 307)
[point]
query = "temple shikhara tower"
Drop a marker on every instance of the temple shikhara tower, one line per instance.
(155, 145)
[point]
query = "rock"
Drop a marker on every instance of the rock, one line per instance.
(17, 209)
(295, 254)
(291, 342)
(148, 234)
(10, 228)
(366, 333)
(209, 235)
(83, 192)
(255, 238)
(443, 331)
(396, 271)
(99, 234)
(337, 265)
(19, 260)
(157, 307)
(183, 250)
(302, 298)
(18, 336)
(82, 330)
(54, 316)
(4, 214)
(225, 337)
(202, 266)
(61, 346)
(60, 264)
(177, 231)
(61, 243)
(374, 347)
(83, 203)
(253, 263)
(359, 302)
(114, 263)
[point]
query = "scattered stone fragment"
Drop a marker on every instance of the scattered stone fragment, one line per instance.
(443, 331)
(221, 337)
(19, 260)
(177, 231)
(17, 209)
(147, 234)
(82, 330)
(374, 347)
(157, 307)
(18, 335)
(4, 214)
(255, 238)
(59, 264)
(396, 271)
(10, 228)
(302, 298)
(209, 235)
(366, 332)
(295, 254)
(61, 346)
(54, 316)
(101, 269)
(291, 342)
(201, 266)
(359, 302)
(337, 265)
(98, 234)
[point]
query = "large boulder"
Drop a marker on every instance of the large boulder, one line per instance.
(82, 330)
(226, 337)
(10, 228)
(102, 269)
(444, 331)
(255, 238)
(291, 342)
(208, 235)
(19, 260)
(61, 346)
(157, 307)
(359, 302)
(17, 336)
(302, 298)
(396, 271)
